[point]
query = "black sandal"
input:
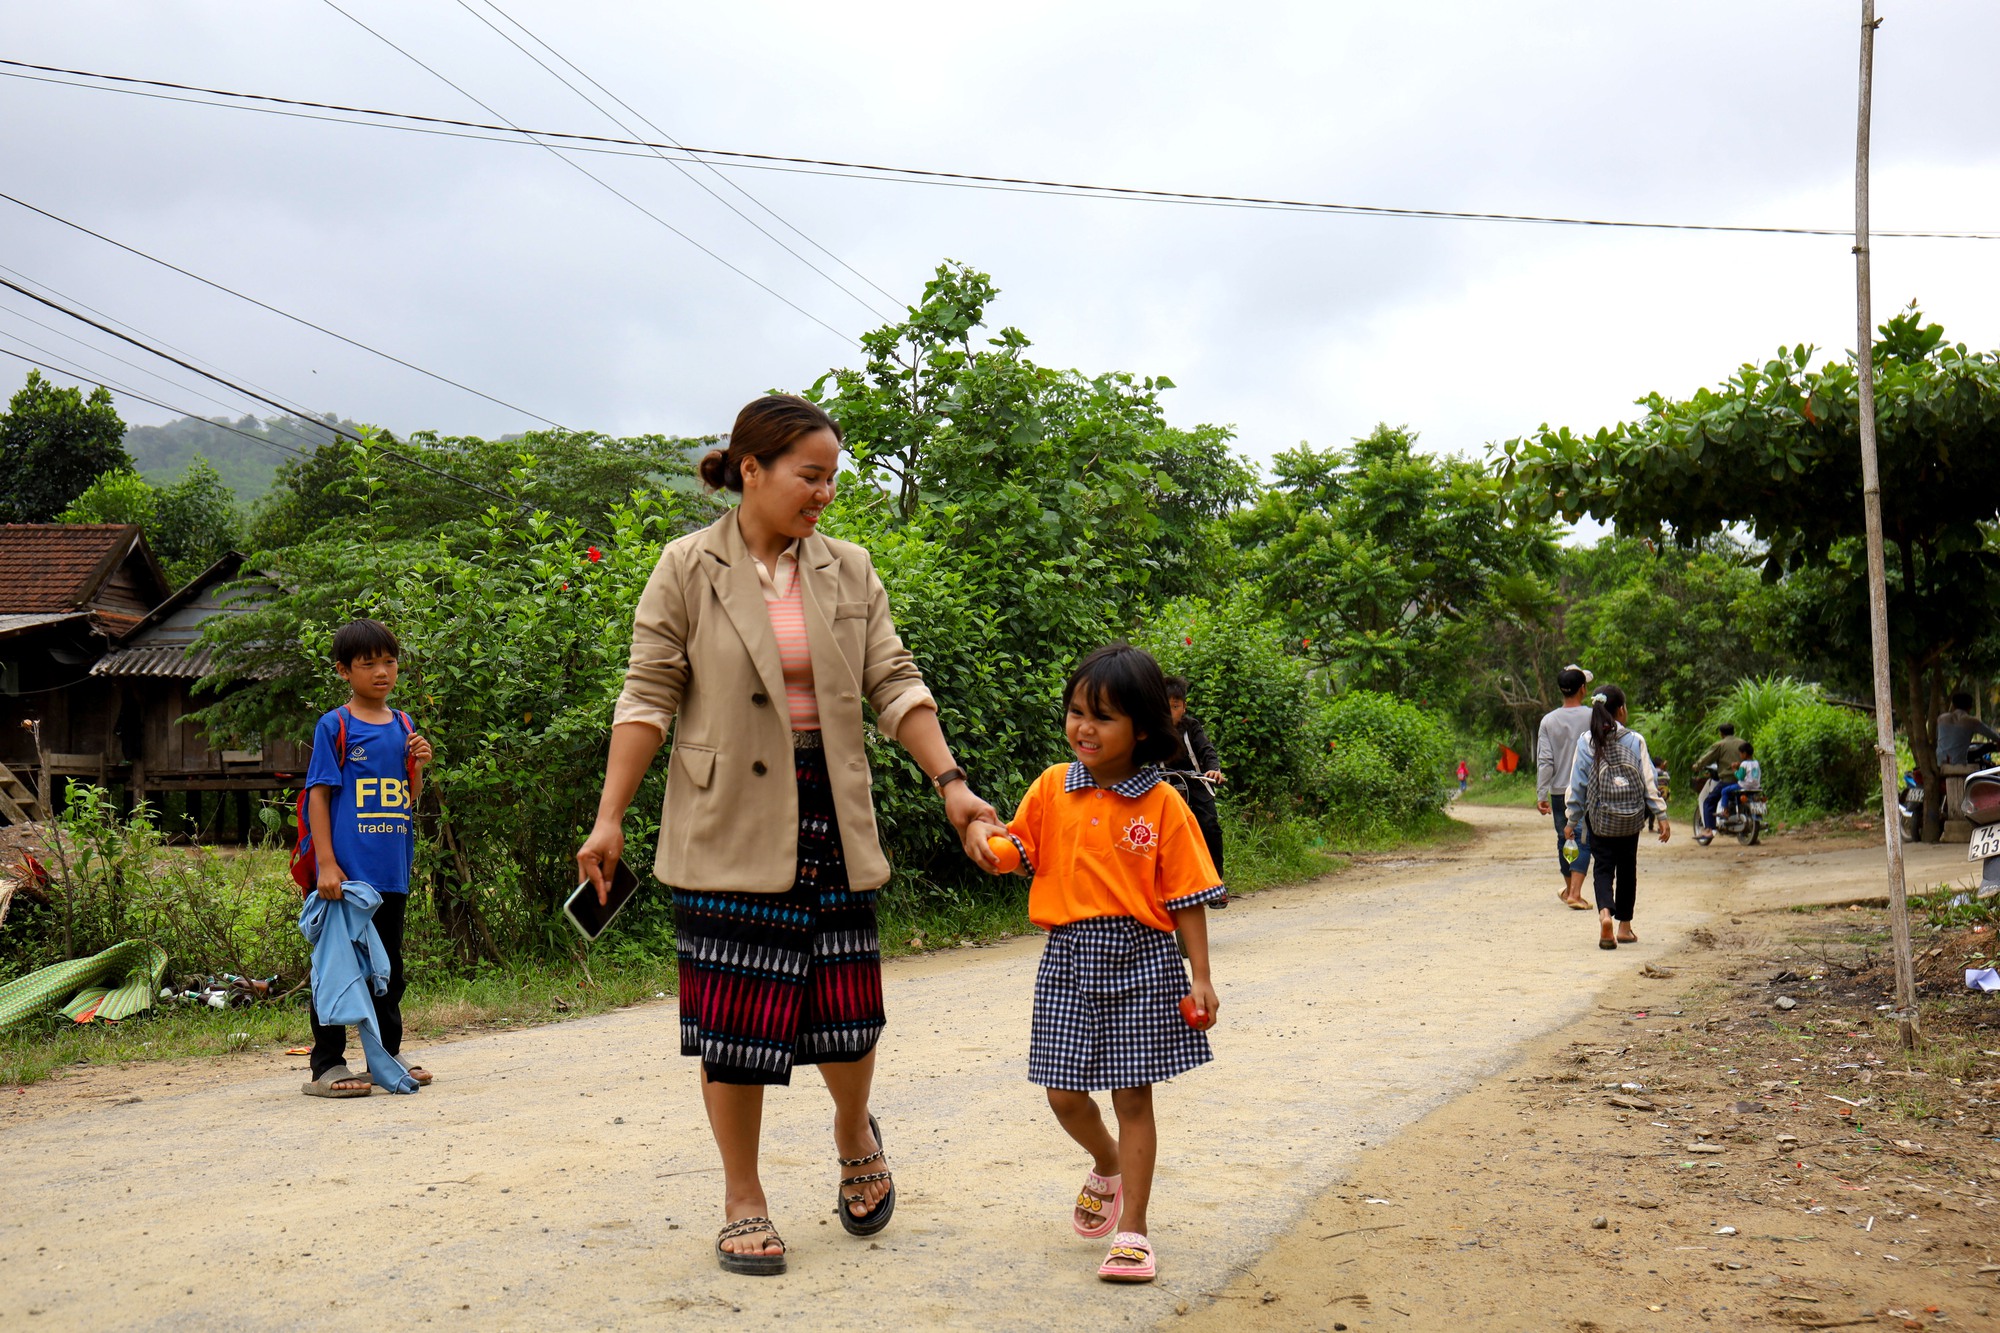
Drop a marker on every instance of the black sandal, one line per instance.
(878, 1217)
(752, 1265)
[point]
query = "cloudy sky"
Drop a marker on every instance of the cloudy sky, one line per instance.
(501, 266)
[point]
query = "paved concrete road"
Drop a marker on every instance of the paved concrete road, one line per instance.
(562, 1177)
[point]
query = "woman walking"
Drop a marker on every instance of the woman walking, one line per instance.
(759, 639)
(1612, 786)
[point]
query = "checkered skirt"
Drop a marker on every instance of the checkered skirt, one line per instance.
(1107, 1008)
(772, 980)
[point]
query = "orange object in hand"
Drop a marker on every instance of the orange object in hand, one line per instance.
(1196, 1018)
(1005, 852)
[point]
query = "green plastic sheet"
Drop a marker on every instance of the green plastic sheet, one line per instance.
(114, 984)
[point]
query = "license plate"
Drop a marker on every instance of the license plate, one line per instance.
(1985, 843)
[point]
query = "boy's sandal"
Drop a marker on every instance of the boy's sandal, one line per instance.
(323, 1086)
(877, 1217)
(1129, 1260)
(752, 1265)
(1103, 1197)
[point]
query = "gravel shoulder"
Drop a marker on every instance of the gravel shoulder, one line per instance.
(562, 1177)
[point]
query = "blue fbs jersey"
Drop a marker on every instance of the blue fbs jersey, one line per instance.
(374, 840)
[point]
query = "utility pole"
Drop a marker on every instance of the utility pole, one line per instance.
(1878, 590)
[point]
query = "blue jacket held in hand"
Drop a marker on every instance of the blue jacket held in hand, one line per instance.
(349, 969)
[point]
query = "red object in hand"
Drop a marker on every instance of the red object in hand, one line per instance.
(1196, 1018)
(1005, 852)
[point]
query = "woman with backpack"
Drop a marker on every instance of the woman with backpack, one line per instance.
(1614, 785)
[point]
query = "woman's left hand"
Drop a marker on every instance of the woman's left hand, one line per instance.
(962, 805)
(1664, 830)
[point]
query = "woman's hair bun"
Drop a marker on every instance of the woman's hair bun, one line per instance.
(714, 469)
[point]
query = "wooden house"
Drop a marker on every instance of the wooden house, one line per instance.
(67, 592)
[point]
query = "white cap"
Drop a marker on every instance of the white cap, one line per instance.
(1587, 677)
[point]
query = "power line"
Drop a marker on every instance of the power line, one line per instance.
(580, 142)
(585, 171)
(595, 105)
(286, 314)
(233, 387)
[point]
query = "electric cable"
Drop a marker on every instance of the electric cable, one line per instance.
(233, 387)
(598, 107)
(286, 314)
(585, 171)
(280, 423)
(926, 176)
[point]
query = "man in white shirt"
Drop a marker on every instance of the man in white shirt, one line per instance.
(1555, 755)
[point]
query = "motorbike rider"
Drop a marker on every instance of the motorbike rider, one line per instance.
(1956, 729)
(1196, 755)
(1748, 777)
(1723, 757)
(1555, 756)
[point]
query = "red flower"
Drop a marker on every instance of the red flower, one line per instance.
(565, 587)
(1189, 642)
(594, 554)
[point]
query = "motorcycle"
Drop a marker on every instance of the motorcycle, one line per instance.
(1744, 816)
(1982, 807)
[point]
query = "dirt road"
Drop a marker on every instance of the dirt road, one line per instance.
(563, 1178)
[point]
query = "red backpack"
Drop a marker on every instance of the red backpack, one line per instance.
(305, 857)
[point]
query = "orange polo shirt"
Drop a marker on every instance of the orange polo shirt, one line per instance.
(1132, 849)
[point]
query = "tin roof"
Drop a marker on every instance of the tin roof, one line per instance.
(12, 625)
(173, 661)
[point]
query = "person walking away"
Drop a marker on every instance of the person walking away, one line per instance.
(1956, 730)
(1724, 755)
(362, 785)
(1119, 869)
(1555, 755)
(758, 640)
(1611, 785)
(1196, 754)
(1464, 775)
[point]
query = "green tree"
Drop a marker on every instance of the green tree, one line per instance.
(190, 523)
(1776, 449)
(1382, 559)
(53, 443)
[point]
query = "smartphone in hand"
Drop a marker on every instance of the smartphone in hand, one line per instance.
(590, 917)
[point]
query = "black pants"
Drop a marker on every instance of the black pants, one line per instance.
(1617, 871)
(330, 1043)
(1201, 802)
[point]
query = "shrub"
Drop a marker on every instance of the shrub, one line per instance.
(1752, 703)
(1818, 759)
(1388, 762)
(1260, 704)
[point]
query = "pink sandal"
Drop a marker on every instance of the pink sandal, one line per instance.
(1136, 1252)
(1103, 1197)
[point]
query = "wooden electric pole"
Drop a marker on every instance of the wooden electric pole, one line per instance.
(1907, 1027)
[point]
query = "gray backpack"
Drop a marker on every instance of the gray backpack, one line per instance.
(1617, 800)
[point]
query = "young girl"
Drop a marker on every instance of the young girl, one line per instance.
(1628, 788)
(1119, 866)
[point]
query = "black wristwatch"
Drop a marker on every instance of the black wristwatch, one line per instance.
(946, 778)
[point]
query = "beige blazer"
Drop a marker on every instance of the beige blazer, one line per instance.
(705, 660)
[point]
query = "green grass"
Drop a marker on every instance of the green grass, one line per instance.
(1517, 788)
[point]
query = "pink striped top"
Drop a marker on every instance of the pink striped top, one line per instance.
(788, 623)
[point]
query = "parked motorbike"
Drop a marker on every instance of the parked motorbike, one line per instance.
(1744, 816)
(1982, 807)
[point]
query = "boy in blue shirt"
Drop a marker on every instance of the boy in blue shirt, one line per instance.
(361, 793)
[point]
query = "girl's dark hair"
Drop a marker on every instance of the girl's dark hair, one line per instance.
(363, 638)
(1604, 706)
(765, 430)
(1124, 679)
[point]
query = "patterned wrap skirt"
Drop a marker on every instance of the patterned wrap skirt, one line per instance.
(772, 980)
(1108, 1008)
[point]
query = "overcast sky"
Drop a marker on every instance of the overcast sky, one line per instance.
(500, 266)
